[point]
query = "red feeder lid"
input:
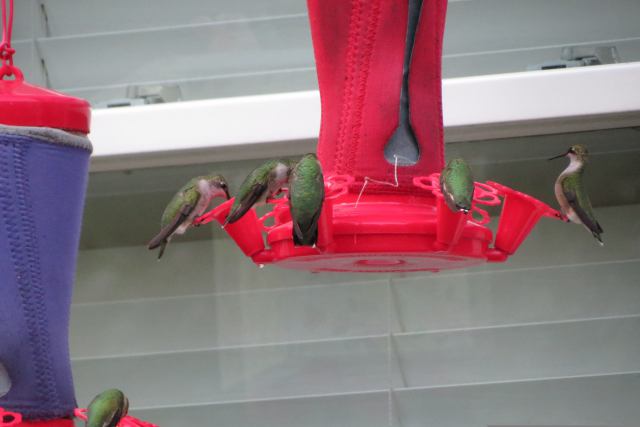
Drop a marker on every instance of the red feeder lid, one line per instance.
(23, 104)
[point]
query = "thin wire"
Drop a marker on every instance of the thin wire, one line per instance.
(367, 180)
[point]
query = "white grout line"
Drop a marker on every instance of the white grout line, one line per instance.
(175, 27)
(191, 79)
(372, 337)
(301, 288)
(264, 399)
(521, 380)
(523, 269)
(372, 282)
(231, 348)
(383, 392)
(543, 47)
(518, 325)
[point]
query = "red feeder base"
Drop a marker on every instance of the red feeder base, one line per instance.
(62, 422)
(14, 419)
(127, 421)
(389, 232)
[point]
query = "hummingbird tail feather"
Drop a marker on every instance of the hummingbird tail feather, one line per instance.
(296, 240)
(232, 217)
(598, 238)
(308, 238)
(156, 242)
(314, 238)
(163, 246)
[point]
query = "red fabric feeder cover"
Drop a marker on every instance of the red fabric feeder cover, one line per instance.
(359, 47)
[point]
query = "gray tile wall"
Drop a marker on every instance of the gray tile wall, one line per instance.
(205, 337)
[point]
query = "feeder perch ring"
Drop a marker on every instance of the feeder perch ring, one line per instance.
(389, 232)
(127, 421)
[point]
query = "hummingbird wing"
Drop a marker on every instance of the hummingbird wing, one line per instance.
(306, 197)
(107, 409)
(249, 199)
(111, 419)
(168, 229)
(581, 205)
(176, 213)
(306, 233)
(457, 186)
(119, 414)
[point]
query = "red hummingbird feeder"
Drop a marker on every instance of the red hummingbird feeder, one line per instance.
(44, 161)
(379, 72)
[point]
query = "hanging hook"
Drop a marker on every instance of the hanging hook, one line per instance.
(6, 51)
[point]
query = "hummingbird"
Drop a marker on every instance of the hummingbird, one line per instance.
(5, 380)
(456, 185)
(190, 202)
(306, 195)
(263, 183)
(571, 194)
(107, 409)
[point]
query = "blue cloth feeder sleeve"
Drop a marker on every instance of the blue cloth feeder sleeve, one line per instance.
(43, 177)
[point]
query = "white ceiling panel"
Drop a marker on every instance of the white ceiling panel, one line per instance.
(125, 15)
(187, 52)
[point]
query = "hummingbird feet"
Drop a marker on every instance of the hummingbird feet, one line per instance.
(277, 196)
(203, 219)
(561, 217)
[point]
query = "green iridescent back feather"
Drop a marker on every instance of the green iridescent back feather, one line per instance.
(188, 193)
(574, 183)
(258, 175)
(306, 195)
(456, 181)
(106, 409)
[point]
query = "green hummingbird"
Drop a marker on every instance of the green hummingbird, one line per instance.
(5, 380)
(306, 195)
(571, 194)
(263, 183)
(191, 201)
(107, 409)
(456, 185)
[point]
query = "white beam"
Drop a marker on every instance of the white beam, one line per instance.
(475, 108)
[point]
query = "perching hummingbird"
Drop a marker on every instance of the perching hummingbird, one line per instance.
(456, 185)
(190, 202)
(263, 183)
(306, 194)
(107, 409)
(5, 380)
(571, 194)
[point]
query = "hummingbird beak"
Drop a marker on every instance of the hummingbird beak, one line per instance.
(558, 156)
(226, 193)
